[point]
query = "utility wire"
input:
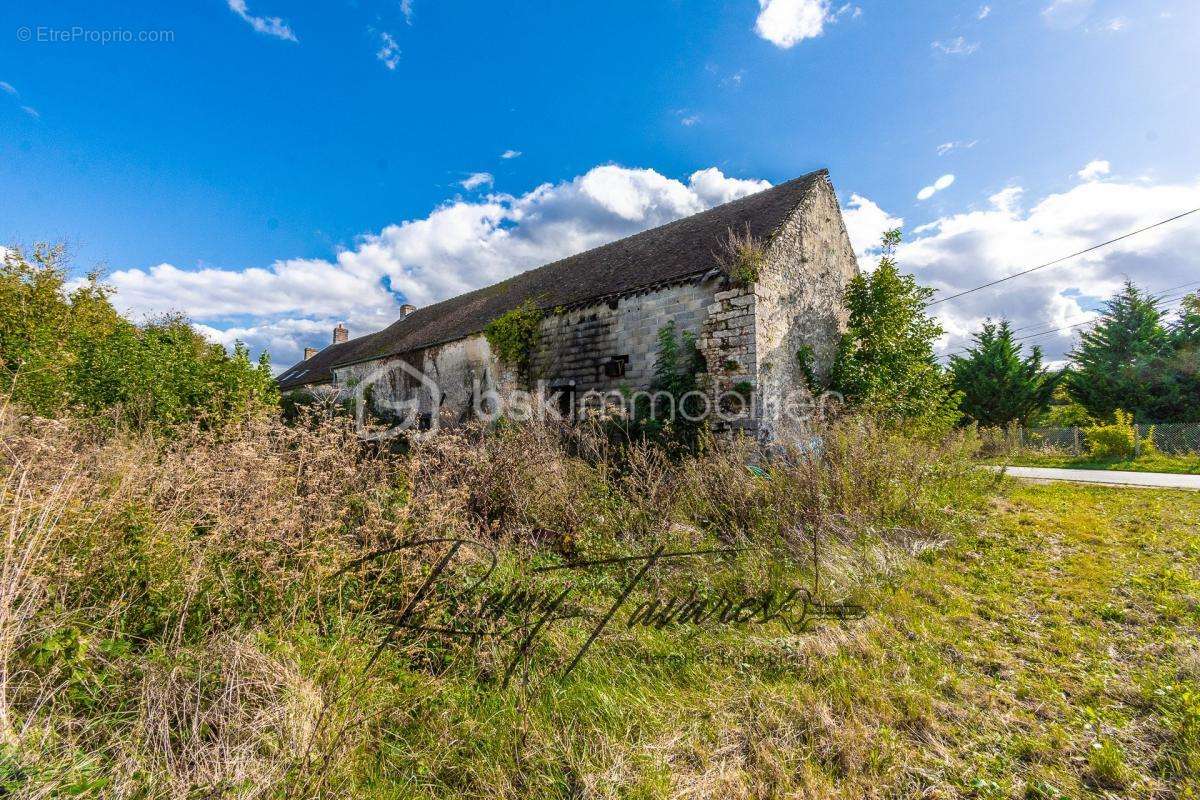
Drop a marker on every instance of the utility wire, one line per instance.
(1160, 297)
(1064, 258)
(1088, 321)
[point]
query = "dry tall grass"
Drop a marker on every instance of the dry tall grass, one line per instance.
(177, 619)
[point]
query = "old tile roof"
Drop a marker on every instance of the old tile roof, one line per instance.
(670, 253)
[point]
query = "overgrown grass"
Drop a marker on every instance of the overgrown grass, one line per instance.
(198, 618)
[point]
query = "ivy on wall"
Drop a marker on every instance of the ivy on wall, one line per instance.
(513, 335)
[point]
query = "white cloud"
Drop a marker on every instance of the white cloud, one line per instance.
(689, 120)
(784, 23)
(459, 246)
(389, 51)
(1094, 170)
(866, 223)
(958, 46)
(959, 251)
(31, 111)
(511, 154)
(406, 8)
(941, 183)
(271, 26)
(943, 149)
(713, 188)
(1067, 13)
(9, 88)
(477, 179)
(984, 12)
(1116, 24)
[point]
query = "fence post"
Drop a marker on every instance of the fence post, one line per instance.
(1137, 441)
(1075, 434)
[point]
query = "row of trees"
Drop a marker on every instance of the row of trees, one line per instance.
(67, 350)
(1132, 359)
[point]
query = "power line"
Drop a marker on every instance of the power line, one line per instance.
(1088, 321)
(1064, 258)
(1160, 297)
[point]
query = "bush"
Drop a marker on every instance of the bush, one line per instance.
(1118, 440)
(71, 353)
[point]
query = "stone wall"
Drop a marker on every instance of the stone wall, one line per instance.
(579, 347)
(800, 312)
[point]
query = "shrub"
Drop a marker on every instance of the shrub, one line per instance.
(71, 353)
(1118, 440)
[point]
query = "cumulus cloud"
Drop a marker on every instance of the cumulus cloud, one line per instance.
(271, 26)
(984, 12)
(389, 51)
(511, 154)
(941, 183)
(866, 223)
(784, 23)
(958, 46)
(406, 8)
(962, 250)
(1094, 170)
(477, 179)
(459, 246)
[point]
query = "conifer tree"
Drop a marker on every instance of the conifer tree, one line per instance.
(997, 384)
(1123, 361)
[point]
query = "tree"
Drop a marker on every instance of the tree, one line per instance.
(885, 362)
(998, 386)
(72, 353)
(1123, 361)
(1185, 360)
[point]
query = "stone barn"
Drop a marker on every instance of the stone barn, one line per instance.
(766, 322)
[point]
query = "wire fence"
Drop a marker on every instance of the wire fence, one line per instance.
(1168, 438)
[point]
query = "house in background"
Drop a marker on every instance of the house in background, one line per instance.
(765, 333)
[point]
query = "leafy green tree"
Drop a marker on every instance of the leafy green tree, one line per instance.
(886, 362)
(997, 384)
(71, 353)
(1123, 361)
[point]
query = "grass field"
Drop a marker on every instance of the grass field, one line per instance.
(192, 618)
(1052, 653)
(1179, 465)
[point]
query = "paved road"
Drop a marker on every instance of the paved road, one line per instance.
(1159, 479)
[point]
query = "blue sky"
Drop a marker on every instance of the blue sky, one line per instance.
(275, 166)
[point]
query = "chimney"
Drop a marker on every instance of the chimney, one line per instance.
(406, 309)
(309, 352)
(340, 334)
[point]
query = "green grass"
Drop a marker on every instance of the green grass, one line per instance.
(1179, 465)
(1053, 652)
